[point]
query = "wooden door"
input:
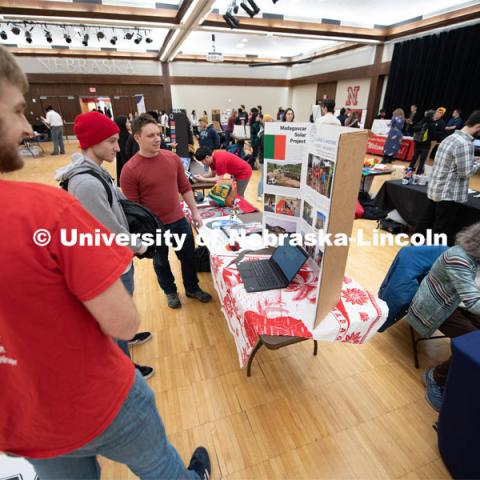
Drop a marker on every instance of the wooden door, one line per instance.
(70, 108)
(121, 105)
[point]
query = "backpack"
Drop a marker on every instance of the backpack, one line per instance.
(202, 259)
(223, 193)
(140, 219)
(420, 132)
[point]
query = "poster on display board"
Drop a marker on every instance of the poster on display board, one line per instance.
(284, 169)
(311, 179)
(299, 168)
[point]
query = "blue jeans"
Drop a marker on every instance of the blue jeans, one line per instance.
(129, 283)
(260, 183)
(186, 256)
(136, 437)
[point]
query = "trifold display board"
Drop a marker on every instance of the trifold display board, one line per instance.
(311, 180)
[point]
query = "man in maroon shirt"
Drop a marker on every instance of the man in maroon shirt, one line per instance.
(221, 163)
(154, 178)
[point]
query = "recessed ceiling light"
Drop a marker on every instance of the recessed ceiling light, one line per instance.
(245, 40)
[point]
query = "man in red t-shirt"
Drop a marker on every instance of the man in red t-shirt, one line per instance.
(222, 162)
(155, 178)
(68, 393)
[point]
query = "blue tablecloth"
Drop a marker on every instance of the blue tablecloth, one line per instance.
(459, 421)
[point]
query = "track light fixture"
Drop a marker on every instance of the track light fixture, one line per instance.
(15, 30)
(3, 35)
(86, 37)
(231, 21)
(138, 39)
(114, 40)
(128, 36)
(100, 35)
(48, 36)
(274, 1)
(28, 37)
(251, 9)
(148, 40)
(67, 37)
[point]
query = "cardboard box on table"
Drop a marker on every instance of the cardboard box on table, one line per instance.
(348, 173)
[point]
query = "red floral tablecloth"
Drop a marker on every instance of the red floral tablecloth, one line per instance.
(291, 311)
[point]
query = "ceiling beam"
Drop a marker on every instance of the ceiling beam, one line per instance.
(182, 10)
(200, 10)
(85, 10)
(275, 25)
(437, 21)
(60, 52)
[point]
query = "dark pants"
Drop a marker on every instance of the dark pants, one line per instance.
(128, 282)
(459, 323)
(254, 155)
(440, 217)
(420, 151)
(186, 256)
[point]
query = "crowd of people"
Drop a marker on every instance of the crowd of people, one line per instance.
(85, 407)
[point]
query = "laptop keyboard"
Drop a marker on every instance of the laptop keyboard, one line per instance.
(265, 275)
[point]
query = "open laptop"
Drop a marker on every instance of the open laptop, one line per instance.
(275, 272)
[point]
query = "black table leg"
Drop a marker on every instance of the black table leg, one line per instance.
(254, 351)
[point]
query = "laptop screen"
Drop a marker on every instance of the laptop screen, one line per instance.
(290, 259)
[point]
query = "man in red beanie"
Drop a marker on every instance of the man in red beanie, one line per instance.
(68, 393)
(98, 138)
(155, 178)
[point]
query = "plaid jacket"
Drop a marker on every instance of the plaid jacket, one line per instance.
(454, 164)
(450, 281)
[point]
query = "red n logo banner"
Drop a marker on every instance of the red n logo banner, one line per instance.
(352, 95)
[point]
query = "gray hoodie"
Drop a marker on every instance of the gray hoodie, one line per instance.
(92, 195)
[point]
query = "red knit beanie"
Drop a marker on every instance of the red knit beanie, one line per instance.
(92, 128)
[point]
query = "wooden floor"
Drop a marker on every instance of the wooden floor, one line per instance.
(354, 411)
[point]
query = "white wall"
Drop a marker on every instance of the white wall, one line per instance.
(351, 59)
(95, 66)
(342, 93)
(302, 99)
(205, 97)
(185, 69)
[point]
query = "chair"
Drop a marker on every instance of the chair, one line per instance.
(401, 283)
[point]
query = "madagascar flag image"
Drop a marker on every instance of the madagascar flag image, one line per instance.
(275, 147)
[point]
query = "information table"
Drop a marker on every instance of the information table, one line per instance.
(291, 311)
(376, 143)
(411, 201)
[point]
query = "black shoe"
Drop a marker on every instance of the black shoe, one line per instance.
(173, 301)
(140, 338)
(200, 463)
(199, 294)
(146, 372)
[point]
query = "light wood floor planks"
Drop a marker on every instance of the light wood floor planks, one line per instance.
(353, 412)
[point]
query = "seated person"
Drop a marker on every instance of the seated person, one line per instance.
(222, 162)
(448, 300)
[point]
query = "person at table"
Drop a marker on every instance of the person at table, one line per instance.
(438, 132)
(382, 115)
(220, 163)
(289, 115)
(394, 138)
(352, 120)
(208, 135)
(422, 139)
(155, 178)
(55, 122)
(413, 118)
(448, 187)
(342, 116)
(328, 117)
(436, 305)
(455, 123)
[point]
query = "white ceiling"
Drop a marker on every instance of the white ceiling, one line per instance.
(266, 46)
(351, 12)
(131, 3)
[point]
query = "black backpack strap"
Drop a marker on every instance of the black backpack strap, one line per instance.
(64, 184)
